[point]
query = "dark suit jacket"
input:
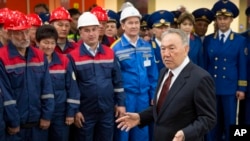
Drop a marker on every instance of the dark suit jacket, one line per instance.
(189, 106)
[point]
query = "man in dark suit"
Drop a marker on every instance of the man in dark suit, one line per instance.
(188, 111)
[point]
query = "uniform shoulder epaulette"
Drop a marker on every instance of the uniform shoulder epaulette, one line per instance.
(232, 36)
(153, 44)
(215, 35)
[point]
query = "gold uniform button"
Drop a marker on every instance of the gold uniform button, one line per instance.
(215, 67)
(224, 68)
(215, 76)
(216, 58)
(225, 59)
(223, 76)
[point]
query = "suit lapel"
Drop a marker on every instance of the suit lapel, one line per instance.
(176, 87)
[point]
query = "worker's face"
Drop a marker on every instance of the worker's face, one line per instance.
(111, 29)
(74, 18)
(173, 51)
(200, 27)
(62, 28)
(102, 27)
(90, 34)
(224, 22)
(186, 26)
(131, 26)
(47, 45)
(20, 38)
(40, 10)
(32, 33)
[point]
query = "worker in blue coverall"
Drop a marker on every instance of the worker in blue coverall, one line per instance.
(100, 83)
(8, 113)
(226, 61)
(159, 21)
(60, 19)
(66, 91)
(139, 71)
(186, 23)
(25, 76)
(4, 12)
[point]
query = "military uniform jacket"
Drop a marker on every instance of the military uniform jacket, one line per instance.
(227, 63)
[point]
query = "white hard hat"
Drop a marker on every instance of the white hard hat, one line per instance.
(125, 5)
(87, 19)
(129, 12)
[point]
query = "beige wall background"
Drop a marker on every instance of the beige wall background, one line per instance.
(239, 24)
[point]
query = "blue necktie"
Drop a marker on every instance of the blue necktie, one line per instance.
(222, 39)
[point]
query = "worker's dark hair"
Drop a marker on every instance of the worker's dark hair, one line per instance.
(74, 11)
(43, 5)
(46, 31)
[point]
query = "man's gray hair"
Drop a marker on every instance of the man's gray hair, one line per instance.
(183, 35)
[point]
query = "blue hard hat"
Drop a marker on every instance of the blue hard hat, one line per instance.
(159, 18)
(203, 14)
(226, 8)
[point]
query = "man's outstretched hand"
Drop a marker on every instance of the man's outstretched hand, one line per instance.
(128, 121)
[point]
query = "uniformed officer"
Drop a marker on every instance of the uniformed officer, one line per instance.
(203, 17)
(244, 114)
(25, 76)
(226, 60)
(139, 71)
(159, 21)
(66, 91)
(186, 24)
(60, 19)
(100, 82)
(145, 30)
(111, 28)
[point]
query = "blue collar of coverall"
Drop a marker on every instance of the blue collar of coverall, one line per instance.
(55, 59)
(125, 41)
(14, 53)
(67, 44)
(84, 51)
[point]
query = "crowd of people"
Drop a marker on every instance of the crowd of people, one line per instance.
(102, 75)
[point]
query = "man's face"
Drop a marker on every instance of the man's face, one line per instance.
(224, 22)
(131, 26)
(20, 38)
(40, 10)
(90, 34)
(173, 52)
(32, 33)
(200, 27)
(62, 28)
(159, 30)
(186, 26)
(111, 29)
(102, 27)
(74, 21)
(47, 45)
